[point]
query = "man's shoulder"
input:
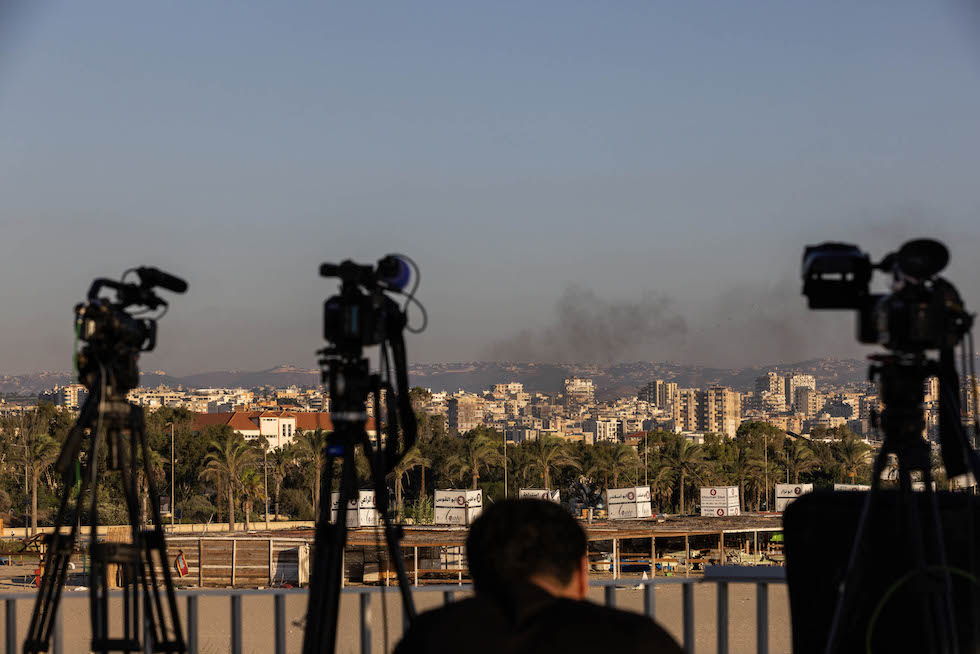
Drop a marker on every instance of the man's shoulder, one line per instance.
(583, 619)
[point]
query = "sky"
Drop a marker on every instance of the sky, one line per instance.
(577, 180)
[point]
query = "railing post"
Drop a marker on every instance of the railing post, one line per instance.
(11, 626)
(236, 624)
(762, 617)
(610, 593)
(688, 601)
(59, 634)
(192, 624)
(365, 623)
(280, 614)
(147, 627)
(650, 600)
(722, 617)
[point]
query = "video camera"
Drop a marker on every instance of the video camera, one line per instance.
(362, 315)
(923, 311)
(111, 333)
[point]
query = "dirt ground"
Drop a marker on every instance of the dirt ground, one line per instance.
(215, 616)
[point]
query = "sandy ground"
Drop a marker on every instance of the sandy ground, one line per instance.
(215, 616)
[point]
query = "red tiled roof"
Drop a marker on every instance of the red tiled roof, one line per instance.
(248, 420)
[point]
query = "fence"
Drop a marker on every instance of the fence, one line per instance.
(721, 577)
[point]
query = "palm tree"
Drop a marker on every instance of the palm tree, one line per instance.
(547, 454)
(684, 458)
(661, 483)
(226, 460)
(852, 457)
(478, 454)
(595, 462)
(36, 452)
(412, 459)
(798, 458)
(311, 446)
(740, 470)
(283, 459)
(251, 484)
(622, 460)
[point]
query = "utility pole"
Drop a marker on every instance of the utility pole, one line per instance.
(765, 453)
(505, 464)
(265, 470)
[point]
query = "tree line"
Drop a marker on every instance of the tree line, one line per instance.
(219, 476)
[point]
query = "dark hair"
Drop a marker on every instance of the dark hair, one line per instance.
(514, 540)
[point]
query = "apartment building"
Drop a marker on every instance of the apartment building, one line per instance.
(795, 382)
(658, 393)
(720, 411)
(579, 392)
(464, 412)
(686, 409)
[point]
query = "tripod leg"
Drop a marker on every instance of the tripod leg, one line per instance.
(60, 547)
(167, 632)
(391, 535)
(849, 583)
(320, 635)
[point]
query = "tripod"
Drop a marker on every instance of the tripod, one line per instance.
(901, 381)
(115, 431)
(142, 564)
(351, 386)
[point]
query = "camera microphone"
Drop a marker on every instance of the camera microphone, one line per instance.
(394, 272)
(156, 277)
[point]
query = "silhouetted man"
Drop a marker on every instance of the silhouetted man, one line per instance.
(530, 573)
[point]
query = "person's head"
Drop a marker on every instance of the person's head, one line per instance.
(521, 541)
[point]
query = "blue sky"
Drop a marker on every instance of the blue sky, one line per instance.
(686, 150)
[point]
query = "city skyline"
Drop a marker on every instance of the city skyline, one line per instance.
(628, 183)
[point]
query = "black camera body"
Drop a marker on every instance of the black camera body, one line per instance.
(923, 312)
(361, 315)
(113, 337)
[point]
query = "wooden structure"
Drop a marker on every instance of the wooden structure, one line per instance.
(246, 562)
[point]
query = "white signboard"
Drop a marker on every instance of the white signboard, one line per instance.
(719, 501)
(361, 511)
(628, 503)
(458, 498)
(793, 490)
(851, 487)
(457, 507)
(541, 494)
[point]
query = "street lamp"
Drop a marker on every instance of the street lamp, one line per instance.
(173, 476)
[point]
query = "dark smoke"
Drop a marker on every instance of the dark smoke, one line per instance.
(588, 328)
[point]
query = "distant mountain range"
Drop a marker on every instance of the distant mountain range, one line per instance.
(612, 381)
(624, 379)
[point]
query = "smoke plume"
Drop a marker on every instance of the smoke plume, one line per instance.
(587, 328)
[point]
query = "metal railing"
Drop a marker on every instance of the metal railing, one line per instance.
(719, 576)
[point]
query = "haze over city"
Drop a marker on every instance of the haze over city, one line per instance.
(577, 182)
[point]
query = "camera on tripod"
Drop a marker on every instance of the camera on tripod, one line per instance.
(923, 311)
(111, 333)
(363, 314)
(894, 573)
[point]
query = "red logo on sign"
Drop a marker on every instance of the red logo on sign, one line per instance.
(721, 511)
(460, 500)
(797, 490)
(714, 492)
(631, 495)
